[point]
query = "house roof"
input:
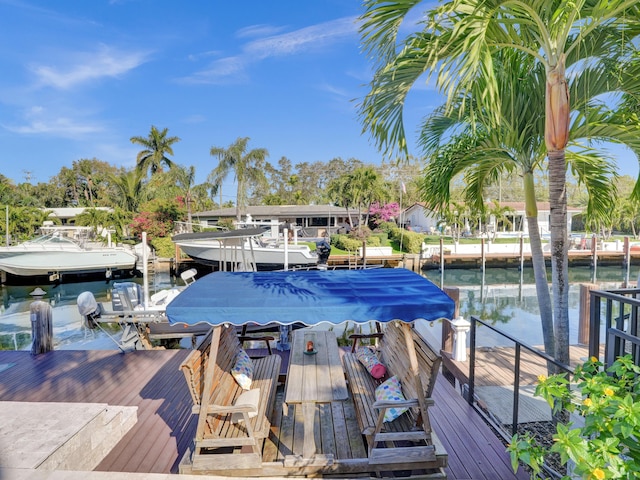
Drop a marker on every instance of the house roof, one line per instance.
(279, 211)
(71, 212)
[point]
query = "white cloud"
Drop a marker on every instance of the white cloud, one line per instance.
(312, 37)
(39, 122)
(223, 70)
(315, 37)
(88, 66)
(195, 118)
(61, 127)
(334, 91)
(194, 57)
(258, 31)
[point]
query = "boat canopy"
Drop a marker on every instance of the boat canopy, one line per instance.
(310, 297)
(220, 235)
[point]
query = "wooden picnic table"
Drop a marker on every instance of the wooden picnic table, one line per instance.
(314, 378)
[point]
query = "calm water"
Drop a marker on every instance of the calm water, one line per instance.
(504, 297)
(69, 332)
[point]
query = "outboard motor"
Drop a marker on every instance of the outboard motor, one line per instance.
(323, 249)
(89, 308)
(125, 296)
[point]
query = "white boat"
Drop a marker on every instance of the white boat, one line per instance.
(56, 253)
(243, 249)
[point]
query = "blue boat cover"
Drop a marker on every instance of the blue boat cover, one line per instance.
(310, 297)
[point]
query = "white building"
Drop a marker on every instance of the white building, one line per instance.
(421, 219)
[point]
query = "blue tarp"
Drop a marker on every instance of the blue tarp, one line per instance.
(310, 297)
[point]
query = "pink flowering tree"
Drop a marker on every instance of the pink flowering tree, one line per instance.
(380, 213)
(157, 218)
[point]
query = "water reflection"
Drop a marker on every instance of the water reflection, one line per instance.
(69, 331)
(501, 296)
(507, 298)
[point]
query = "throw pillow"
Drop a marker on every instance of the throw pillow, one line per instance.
(391, 391)
(370, 360)
(242, 371)
(250, 398)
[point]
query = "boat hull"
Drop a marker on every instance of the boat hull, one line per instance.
(29, 264)
(265, 257)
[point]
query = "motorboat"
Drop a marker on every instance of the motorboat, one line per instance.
(244, 250)
(59, 252)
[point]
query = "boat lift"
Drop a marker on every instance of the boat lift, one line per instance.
(138, 323)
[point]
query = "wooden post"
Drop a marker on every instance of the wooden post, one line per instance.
(627, 252)
(584, 312)
(521, 252)
(447, 330)
(41, 323)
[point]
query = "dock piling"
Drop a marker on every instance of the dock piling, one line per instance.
(41, 323)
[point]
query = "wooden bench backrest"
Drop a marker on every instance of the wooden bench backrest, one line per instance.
(225, 387)
(395, 356)
(195, 364)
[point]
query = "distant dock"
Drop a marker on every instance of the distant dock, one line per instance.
(505, 260)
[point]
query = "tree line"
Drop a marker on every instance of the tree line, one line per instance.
(160, 190)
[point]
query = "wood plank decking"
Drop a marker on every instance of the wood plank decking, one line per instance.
(152, 381)
(495, 365)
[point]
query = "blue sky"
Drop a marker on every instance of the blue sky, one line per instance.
(80, 78)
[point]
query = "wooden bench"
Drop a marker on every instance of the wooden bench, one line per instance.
(219, 441)
(409, 438)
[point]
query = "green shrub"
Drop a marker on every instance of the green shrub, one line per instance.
(164, 247)
(386, 227)
(374, 241)
(607, 445)
(383, 237)
(345, 242)
(411, 241)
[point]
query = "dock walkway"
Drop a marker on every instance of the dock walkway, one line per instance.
(152, 381)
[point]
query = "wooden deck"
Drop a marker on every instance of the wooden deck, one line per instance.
(495, 365)
(152, 381)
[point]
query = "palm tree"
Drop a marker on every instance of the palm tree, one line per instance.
(358, 189)
(130, 188)
(501, 214)
(458, 43)
(247, 166)
(483, 151)
(185, 178)
(156, 148)
(340, 192)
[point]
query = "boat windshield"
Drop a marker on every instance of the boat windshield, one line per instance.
(53, 238)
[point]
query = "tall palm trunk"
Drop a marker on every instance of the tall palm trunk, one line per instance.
(556, 137)
(559, 253)
(539, 267)
(239, 199)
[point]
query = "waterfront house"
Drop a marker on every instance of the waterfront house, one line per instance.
(421, 219)
(315, 220)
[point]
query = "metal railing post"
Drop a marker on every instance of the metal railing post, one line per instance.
(516, 390)
(472, 361)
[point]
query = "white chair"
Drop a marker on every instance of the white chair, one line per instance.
(189, 276)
